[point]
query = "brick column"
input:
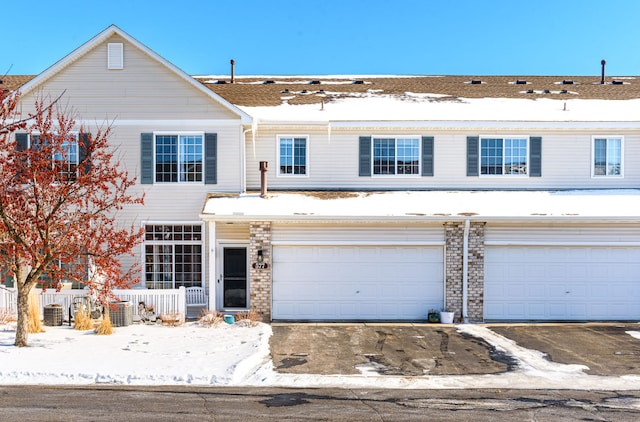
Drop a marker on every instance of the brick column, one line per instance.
(475, 306)
(454, 240)
(260, 279)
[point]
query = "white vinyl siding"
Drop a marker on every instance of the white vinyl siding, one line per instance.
(146, 90)
(566, 162)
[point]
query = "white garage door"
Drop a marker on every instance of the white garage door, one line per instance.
(331, 283)
(562, 283)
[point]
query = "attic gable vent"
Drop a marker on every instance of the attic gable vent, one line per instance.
(115, 56)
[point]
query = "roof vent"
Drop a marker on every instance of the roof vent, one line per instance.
(314, 82)
(567, 82)
(546, 91)
(269, 82)
(358, 82)
(603, 62)
(520, 82)
(220, 82)
(529, 91)
(564, 91)
(617, 82)
(285, 91)
(476, 82)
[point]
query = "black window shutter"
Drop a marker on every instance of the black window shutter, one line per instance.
(22, 141)
(84, 156)
(472, 155)
(146, 158)
(365, 156)
(535, 156)
(427, 155)
(211, 158)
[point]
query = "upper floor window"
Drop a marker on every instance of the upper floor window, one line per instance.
(66, 159)
(292, 155)
(607, 156)
(178, 158)
(396, 156)
(503, 155)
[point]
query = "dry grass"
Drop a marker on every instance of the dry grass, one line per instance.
(81, 320)
(172, 319)
(249, 318)
(105, 328)
(7, 316)
(34, 324)
(210, 318)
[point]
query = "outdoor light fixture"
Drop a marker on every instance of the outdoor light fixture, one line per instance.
(260, 255)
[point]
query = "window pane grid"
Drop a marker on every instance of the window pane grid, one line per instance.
(607, 157)
(491, 156)
(179, 158)
(408, 152)
(515, 156)
(293, 156)
(384, 160)
(173, 256)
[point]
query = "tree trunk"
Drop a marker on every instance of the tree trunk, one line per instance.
(22, 329)
(23, 287)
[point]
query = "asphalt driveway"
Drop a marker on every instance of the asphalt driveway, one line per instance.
(439, 349)
(389, 349)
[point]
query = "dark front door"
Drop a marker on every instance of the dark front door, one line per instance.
(234, 277)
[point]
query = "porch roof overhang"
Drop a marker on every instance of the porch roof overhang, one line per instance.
(568, 206)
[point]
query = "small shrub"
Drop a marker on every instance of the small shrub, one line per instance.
(105, 328)
(210, 318)
(7, 316)
(249, 318)
(34, 325)
(82, 320)
(172, 319)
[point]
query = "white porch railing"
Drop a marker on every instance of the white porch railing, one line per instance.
(164, 301)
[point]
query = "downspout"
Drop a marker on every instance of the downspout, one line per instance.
(465, 272)
(243, 161)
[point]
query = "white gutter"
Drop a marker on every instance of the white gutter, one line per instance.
(465, 272)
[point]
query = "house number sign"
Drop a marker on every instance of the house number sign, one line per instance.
(260, 265)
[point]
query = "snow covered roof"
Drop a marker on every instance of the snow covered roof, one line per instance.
(593, 205)
(441, 99)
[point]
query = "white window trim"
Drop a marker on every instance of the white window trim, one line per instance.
(503, 137)
(308, 147)
(201, 242)
(593, 155)
(178, 133)
(396, 176)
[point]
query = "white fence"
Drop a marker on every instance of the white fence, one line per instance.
(164, 301)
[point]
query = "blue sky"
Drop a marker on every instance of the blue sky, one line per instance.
(282, 37)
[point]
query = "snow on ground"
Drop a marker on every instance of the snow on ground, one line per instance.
(235, 355)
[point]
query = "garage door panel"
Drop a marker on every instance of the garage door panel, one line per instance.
(356, 282)
(562, 283)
